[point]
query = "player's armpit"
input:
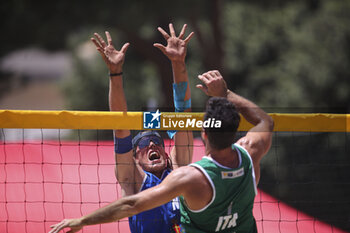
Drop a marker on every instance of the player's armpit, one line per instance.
(127, 173)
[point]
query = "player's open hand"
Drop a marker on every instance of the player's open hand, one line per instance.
(176, 46)
(74, 225)
(113, 58)
(213, 84)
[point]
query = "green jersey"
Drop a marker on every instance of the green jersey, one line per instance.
(231, 207)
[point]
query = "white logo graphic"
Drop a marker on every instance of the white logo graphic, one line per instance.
(151, 120)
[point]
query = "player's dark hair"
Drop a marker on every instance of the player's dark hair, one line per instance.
(221, 109)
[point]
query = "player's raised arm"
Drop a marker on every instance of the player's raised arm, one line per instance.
(258, 139)
(126, 172)
(176, 50)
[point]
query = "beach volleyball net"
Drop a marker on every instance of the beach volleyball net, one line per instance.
(56, 165)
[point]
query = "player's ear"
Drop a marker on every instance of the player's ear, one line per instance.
(169, 162)
(136, 157)
(166, 155)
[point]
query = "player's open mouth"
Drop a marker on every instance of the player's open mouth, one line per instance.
(154, 155)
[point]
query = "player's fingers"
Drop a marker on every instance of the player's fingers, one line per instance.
(171, 29)
(53, 230)
(125, 47)
(103, 55)
(109, 38)
(203, 88)
(101, 50)
(182, 33)
(160, 46)
(96, 43)
(208, 75)
(165, 35)
(100, 40)
(57, 224)
(203, 78)
(98, 48)
(216, 73)
(52, 226)
(188, 38)
(57, 227)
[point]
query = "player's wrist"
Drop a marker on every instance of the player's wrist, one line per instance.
(179, 92)
(115, 69)
(178, 62)
(229, 94)
(115, 74)
(224, 93)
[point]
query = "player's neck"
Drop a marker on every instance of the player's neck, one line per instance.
(226, 157)
(158, 174)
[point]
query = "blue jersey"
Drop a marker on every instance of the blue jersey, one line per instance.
(162, 219)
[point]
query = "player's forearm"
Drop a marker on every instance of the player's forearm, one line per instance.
(182, 154)
(250, 111)
(180, 75)
(117, 210)
(117, 100)
(179, 71)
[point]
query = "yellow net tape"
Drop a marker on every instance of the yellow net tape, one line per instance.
(169, 121)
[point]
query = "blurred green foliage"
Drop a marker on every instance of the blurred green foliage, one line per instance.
(282, 57)
(281, 54)
(290, 56)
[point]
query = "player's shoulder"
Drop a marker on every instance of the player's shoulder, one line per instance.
(186, 174)
(254, 145)
(185, 171)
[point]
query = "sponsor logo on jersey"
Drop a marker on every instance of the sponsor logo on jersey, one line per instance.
(232, 174)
